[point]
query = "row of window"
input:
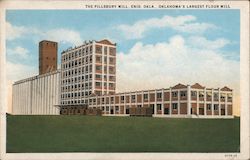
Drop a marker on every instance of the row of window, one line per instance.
(145, 96)
(99, 84)
(87, 69)
(74, 102)
(104, 49)
(201, 95)
(87, 85)
(77, 86)
(99, 77)
(158, 106)
(76, 94)
(85, 78)
(86, 61)
(174, 106)
(209, 94)
(76, 63)
(76, 79)
(78, 71)
(110, 91)
(77, 53)
(99, 60)
(111, 69)
(87, 50)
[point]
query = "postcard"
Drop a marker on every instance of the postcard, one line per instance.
(124, 80)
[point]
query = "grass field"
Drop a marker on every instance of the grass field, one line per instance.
(121, 134)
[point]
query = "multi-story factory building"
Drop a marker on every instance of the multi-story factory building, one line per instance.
(89, 69)
(87, 82)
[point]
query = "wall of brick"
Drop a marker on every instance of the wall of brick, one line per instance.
(183, 108)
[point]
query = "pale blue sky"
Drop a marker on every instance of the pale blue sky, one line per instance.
(98, 24)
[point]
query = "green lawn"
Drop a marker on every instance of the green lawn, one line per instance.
(121, 134)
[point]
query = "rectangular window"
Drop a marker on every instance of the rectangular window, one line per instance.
(111, 60)
(133, 97)
(145, 96)
(98, 76)
(122, 98)
(111, 69)
(174, 106)
(112, 51)
(159, 95)
(216, 107)
(105, 50)
(222, 97)
(158, 106)
(98, 84)
(99, 59)
(98, 49)
(111, 85)
(229, 97)
(174, 94)
(201, 94)
(98, 93)
(183, 93)
(90, 48)
(209, 94)
(98, 68)
(216, 96)
(209, 107)
(112, 78)
(193, 93)
(116, 108)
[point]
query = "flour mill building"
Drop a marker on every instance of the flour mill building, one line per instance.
(87, 79)
(88, 69)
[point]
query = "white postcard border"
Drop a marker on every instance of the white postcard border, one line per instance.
(244, 84)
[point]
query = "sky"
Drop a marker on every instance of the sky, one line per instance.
(155, 48)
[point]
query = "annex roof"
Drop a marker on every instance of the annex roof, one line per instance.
(179, 86)
(197, 86)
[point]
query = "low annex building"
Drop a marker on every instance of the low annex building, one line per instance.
(86, 84)
(178, 101)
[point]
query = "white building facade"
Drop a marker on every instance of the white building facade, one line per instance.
(38, 95)
(89, 69)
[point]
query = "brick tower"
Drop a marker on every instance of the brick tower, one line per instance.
(47, 56)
